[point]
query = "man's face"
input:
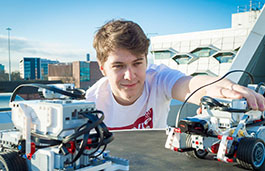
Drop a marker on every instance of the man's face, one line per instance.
(126, 75)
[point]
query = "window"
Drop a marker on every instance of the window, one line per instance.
(182, 59)
(225, 57)
(203, 52)
(237, 49)
(166, 54)
(84, 71)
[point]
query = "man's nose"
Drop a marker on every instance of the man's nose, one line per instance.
(129, 74)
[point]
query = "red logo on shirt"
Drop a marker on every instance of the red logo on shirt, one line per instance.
(145, 121)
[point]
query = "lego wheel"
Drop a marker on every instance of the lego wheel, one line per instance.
(11, 161)
(251, 153)
(201, 154)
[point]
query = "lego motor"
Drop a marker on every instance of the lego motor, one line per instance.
(194, 125)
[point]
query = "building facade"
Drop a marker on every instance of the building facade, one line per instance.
(2, 68)
(44, 67)
(34, 68)
(29, 68)
(82, 73)
(88, 57)
(205, 52)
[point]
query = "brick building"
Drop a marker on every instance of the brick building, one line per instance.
(82, 73)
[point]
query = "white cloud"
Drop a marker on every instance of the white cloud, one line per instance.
(21, 47)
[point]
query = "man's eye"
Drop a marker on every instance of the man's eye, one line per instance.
(137, 63)
(117, 66)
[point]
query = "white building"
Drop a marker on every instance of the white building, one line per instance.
(205, 52)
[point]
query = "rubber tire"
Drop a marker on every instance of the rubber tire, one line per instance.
(197, 154)
(11, 161)
(251, 153)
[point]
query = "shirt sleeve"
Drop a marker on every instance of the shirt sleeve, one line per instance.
(166, 78)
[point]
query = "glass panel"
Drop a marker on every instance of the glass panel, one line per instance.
(203, 52)
(225, 57)
(163, 54)
(182, 59)
(84, 71)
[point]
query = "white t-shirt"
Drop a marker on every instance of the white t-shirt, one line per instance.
(150, 110)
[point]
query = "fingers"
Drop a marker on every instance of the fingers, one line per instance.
(260, 101)
(222, 92)
(231, 94)
(255, 100)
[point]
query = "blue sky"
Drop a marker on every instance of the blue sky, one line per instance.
(64, 29)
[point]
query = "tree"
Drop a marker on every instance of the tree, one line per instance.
(3, 76)
(15, 76)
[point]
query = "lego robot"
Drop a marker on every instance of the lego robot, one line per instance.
(226, 128)
(57, 134)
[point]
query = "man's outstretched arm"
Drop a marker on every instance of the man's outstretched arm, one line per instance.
(222, 89)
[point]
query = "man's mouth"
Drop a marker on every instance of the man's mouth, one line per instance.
(129, 85)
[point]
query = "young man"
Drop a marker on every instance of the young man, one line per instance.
(134, 96)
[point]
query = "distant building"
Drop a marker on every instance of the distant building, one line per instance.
(29, 68)
(44, 67)
(82, 73)
(205, 52)
(2, 68)
(88, 57)
(34, 68)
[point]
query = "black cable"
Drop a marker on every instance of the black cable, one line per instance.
(104, 148)
(102, 136)
(51, 88)
(88, 128)
(105, 137)
(259, 85)
(232, 110)
(180, 110)
(40, 139)
(85, 139)
(213, 103)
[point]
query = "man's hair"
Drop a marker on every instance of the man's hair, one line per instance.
(120, 34)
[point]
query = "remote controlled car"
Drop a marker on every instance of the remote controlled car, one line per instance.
(226, 128)
(57, 134)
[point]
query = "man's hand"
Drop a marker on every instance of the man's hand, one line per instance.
(221, 89)
(231, 90)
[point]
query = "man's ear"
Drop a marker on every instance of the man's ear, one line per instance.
(102, 69)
